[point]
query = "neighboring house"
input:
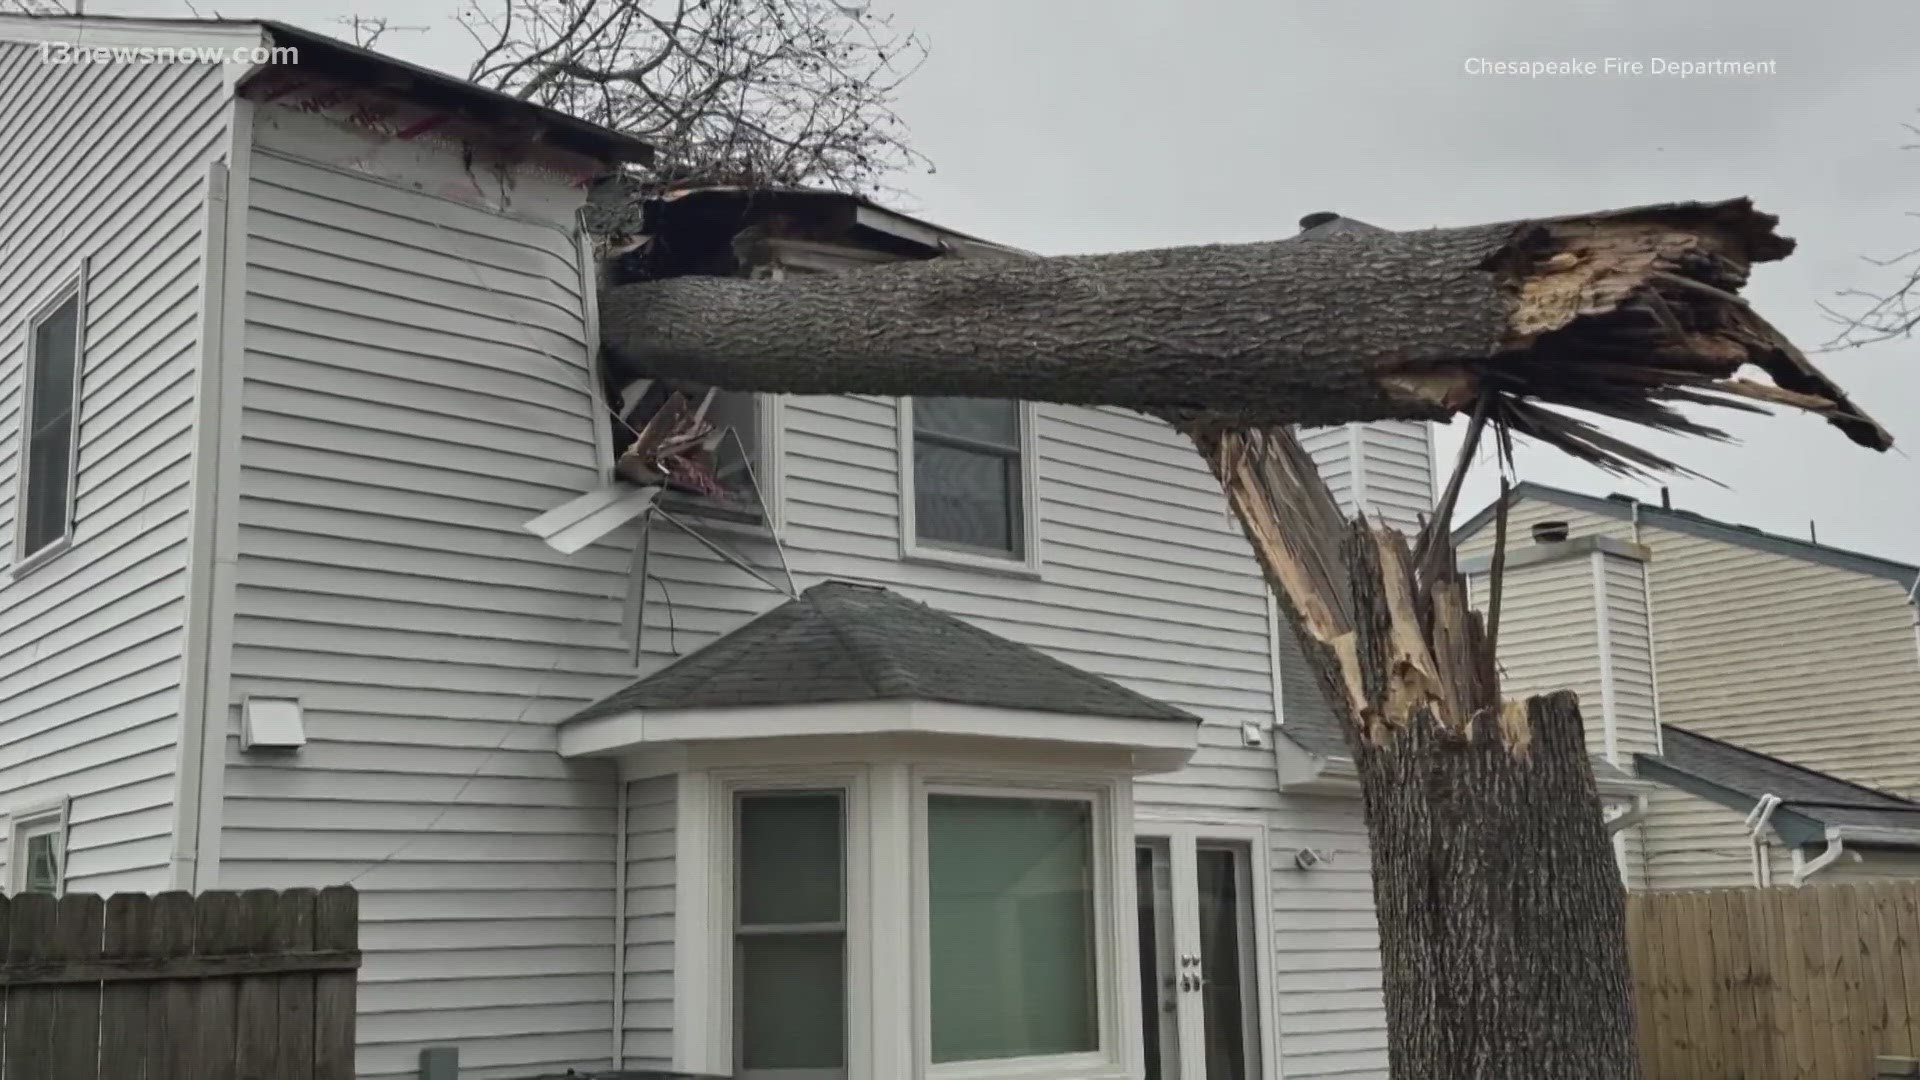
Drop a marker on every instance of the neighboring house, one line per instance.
(291, 355)
(1733, 669)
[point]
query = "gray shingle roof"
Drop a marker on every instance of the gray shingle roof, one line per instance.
(1737, 778)
(844, 642)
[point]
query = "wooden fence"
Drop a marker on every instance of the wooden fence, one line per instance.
(1776, 984)
(220, 986)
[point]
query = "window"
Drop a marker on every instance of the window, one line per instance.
(968, 481)
(48, 440)
(717, 476)
(1010, 928)
(36, 851)
(790, 934)
(901, 918)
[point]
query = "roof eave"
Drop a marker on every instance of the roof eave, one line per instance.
(1157, 745)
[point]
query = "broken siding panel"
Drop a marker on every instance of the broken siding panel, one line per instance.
(1695, 844)
(397, 431)
(651, 811)
(107, 162)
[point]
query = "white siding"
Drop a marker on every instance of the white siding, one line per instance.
(416, 389)
(107, 162)
(1327, 975)
(1695, 844)
(648, 1018)
(1385, 468)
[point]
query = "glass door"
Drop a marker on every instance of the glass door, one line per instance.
(1200, 1011)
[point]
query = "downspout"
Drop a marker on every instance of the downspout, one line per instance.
(1913, 599)
(619, 918)
(1757, 819)
(1803, 870)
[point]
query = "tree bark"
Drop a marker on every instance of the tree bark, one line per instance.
(1612, 312)
(1501, 912)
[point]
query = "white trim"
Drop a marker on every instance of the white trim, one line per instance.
(73, 287)
(1274, 668)
(1357, 467)
(1029, 563)
(1120, 1052)
(38, 819)
(621, 827)
(694, 983)
(213, 531)
(703, 909)
(1158, 745)
(1603, 638)
(597, 383)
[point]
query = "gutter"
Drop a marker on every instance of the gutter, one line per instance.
(1802, 870)
(1756, 824)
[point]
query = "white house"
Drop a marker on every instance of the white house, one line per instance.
(1022, 779)
(1764, 688)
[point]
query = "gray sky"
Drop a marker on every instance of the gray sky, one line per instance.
(1093, 125)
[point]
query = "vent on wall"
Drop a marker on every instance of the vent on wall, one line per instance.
(271, 724)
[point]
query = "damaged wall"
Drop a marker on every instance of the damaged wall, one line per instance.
(416, 388)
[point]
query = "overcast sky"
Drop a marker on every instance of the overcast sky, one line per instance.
(1094, 125)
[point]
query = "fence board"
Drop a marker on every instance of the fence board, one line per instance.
(1776, 984)
(29, 1049)
(124, 1006)
(220, 986)
(76, 1031)
(336, 925)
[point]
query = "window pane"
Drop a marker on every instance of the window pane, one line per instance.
(50, 426)
(43, 863)
(790, 858)
(982, 419)
(1010, 911)
(53, 343)
(793, 1001)
(965, 497)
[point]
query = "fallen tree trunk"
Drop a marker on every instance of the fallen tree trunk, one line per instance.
(1500, 909)
(1621, 313)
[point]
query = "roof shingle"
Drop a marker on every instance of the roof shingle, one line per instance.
(839, 641)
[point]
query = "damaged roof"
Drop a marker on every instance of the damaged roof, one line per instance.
(840, 642)
(1810, 801)
(330, 57)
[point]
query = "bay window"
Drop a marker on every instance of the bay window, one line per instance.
(904, 921)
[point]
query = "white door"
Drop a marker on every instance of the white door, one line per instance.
(1203, 973)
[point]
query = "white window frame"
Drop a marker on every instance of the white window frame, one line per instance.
(42, 819)
(913, 549)
(705, 903)
(73, 288)
(1115, 963)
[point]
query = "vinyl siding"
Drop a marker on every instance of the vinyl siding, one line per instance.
(1696, 844)
(106, 162)
(1384, 468)
(416, 389)
(648, 1017)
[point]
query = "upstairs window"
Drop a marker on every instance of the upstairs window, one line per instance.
(48, 441)
(968, 481)
(723, 452)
